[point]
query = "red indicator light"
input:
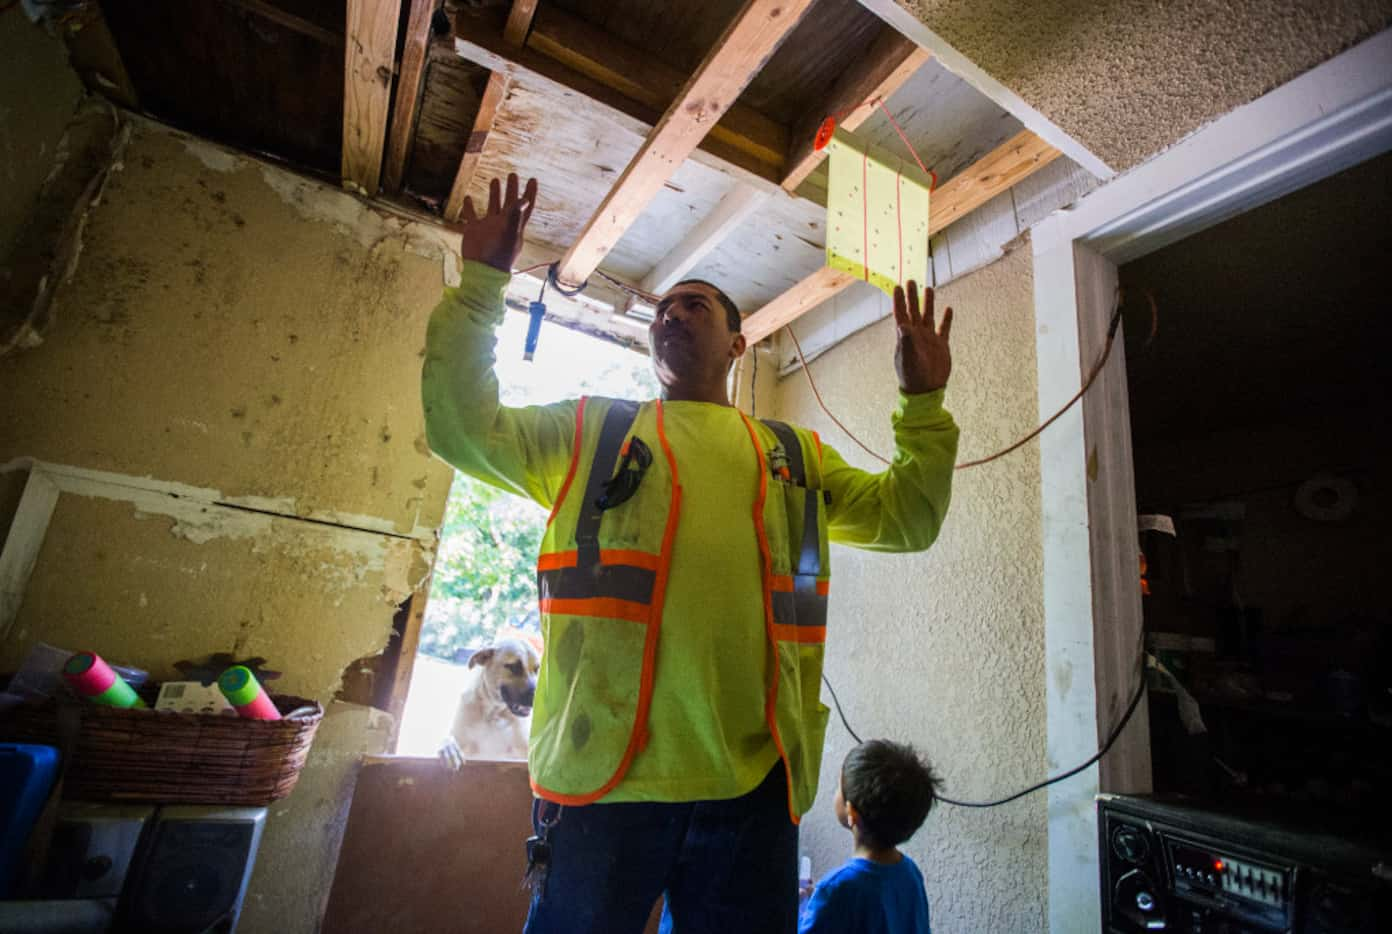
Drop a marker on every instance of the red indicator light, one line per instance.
(1218, 865)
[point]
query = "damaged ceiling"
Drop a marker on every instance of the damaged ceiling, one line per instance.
(670, 137)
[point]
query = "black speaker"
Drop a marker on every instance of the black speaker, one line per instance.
(192, 875)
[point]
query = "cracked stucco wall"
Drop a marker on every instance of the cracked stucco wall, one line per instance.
(945, 649)
(236, 334)
(1128, 79)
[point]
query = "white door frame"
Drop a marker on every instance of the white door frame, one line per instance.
(1331, 118)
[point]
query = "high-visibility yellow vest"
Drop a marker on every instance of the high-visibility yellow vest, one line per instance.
(602, 577)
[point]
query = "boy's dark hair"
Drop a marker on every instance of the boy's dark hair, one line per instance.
(732, 315)
(892, 788)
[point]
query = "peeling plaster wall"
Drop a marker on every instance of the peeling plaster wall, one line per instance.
(945, 649)
(237, 335)
(1128, 79)
(38, 93)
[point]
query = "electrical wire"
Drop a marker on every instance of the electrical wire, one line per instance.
(1106, 745)
(1096, 371)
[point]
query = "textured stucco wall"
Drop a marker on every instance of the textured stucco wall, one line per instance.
(946, 649)
(38, 93)
(237, 329)
(1127, 78)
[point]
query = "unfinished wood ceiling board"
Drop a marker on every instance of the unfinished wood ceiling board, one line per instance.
(693, 193)
(950, 123)
(369, 62)
(449, 103)
(519, 21)
(568, 144)
(680, 32)
(739, 53)
(771, 251)
(831, 39)
(479, 38)
(874, 77)
(1129, 79)
(636, 73)
(231, 75)
(484, 120)
(737, 204)
(409, 85)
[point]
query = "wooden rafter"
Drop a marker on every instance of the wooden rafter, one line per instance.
(613, 72)
(370, 54)
(408, 93)
(489, 105)
(514, 34)
(299, 24)
(989, 176)
(739, 202)
(641, 76)
(890, 61)
(749, 40)
(519, 22)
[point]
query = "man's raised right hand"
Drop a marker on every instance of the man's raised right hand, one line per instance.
(495, 238)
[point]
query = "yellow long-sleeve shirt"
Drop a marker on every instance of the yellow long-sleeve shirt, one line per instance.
(715, 745)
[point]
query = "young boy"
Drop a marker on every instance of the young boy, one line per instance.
(884, 795)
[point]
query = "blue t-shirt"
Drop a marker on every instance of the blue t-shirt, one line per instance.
(863, 897)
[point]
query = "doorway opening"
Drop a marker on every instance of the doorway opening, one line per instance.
(1262, 465)
(484, 586)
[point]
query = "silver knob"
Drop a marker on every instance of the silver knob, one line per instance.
(1145, 901)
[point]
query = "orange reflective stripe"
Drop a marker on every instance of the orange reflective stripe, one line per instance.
(574, 460)
(602, 607)
(823, 587)
(803, 634)
(568, 559)
(781, 583)
(771, 703)
(818, 438)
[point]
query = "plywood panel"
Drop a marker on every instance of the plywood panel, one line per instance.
(680, 31)
(774, 249)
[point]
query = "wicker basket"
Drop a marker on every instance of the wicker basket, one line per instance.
(145, 755)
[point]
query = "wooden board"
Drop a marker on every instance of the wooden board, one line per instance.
(453, 88)
(681, 31)
(636, 73)
(408, 92)
(489, 105)
(739, 202)
(737, 56)
(479, 38)
(519, 21)
(890, 62)
(369, 60)
(430, 851)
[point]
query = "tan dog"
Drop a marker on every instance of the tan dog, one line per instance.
(494, 716)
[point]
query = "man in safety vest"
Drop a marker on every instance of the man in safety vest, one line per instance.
(683, 576)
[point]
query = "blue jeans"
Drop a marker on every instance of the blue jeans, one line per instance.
(726, 867)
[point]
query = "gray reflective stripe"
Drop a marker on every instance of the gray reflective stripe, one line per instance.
(804, 606)
(615, 581)
(617, 421)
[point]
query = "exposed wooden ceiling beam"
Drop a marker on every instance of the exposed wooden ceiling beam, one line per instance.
(408, 93)
(489, 105)
(519, 21)
(289, 20)
(739, 202)
(756, 31)
(638, 74)
(479, 39)
(890, 62)
(994, 173)
(370, 54)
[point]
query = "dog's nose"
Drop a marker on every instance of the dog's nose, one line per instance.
(530, 693)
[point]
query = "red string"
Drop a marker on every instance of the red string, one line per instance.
(913, 152)
(865, 213)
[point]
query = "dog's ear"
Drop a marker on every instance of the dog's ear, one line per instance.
(481, 657)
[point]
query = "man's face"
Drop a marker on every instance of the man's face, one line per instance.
(690, 337)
